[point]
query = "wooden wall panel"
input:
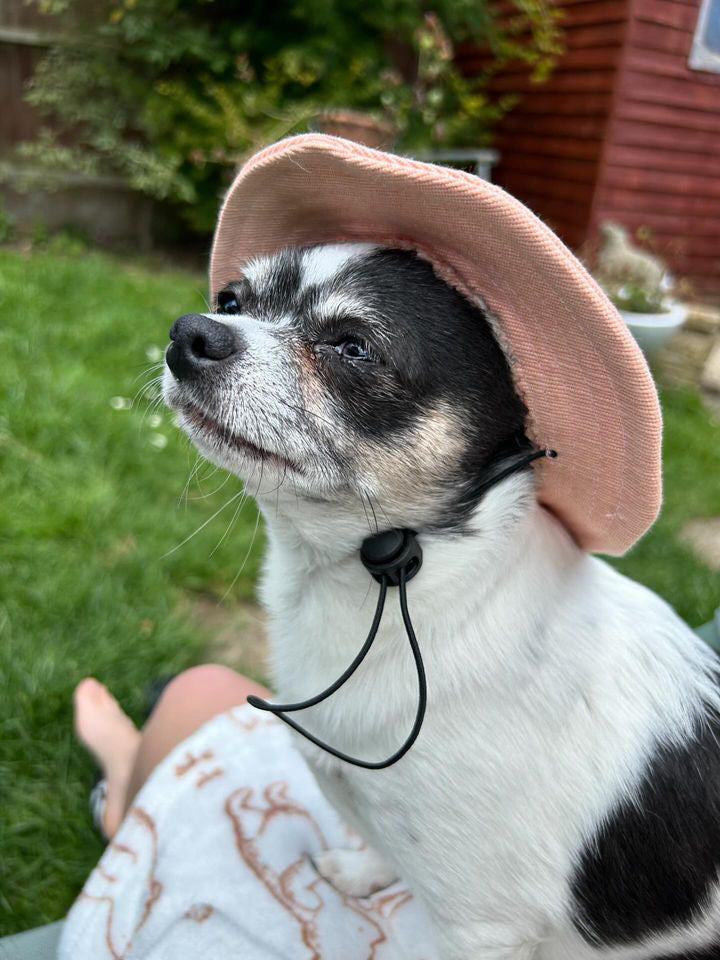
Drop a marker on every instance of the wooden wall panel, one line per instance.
(551, 144)
(661, 163)
(21, 29)
(666, 13)
(670, 118)
(18, 121)
(623, 131)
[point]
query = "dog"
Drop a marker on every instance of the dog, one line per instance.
(562, 801)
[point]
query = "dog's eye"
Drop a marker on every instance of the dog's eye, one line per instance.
(354, 349)
(227, 302)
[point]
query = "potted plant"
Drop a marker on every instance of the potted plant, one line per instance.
(353, 125)
(424, 100)
(652, 319)
(640, 287)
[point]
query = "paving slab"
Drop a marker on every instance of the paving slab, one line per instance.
(710, 377)
(702, 535)
(702, 318)
(236, 632)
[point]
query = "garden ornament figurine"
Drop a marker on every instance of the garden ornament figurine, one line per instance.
(431, 399)
(620, 263)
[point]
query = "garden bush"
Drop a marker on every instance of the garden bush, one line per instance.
(172, 94)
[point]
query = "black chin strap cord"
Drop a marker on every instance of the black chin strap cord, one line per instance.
(399, 559)
(281, 709)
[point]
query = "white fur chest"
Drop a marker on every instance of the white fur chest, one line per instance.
(527, 740)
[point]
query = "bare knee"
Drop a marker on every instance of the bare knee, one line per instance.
(209, 684)
(189, 700)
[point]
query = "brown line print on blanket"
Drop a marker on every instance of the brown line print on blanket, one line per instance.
(253, 818)
(121, 848)
(142, 859)
(207, 777)
(191, 760)
(199, 912)
(255, 721)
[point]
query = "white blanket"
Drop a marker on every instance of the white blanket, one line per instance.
(214, 861)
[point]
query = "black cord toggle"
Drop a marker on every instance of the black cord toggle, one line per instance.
(392, 551)
(392, 557)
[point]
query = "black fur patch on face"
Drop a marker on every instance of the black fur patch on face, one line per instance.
(278, 296)
(433, 347)
(654, 863)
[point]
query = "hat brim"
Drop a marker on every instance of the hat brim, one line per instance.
(583, 378)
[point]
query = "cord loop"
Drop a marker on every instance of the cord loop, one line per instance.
(392, 557)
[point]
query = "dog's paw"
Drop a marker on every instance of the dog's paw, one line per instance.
(356, 873)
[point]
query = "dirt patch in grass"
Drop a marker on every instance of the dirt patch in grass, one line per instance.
(236, 633)
(712, 401)
(702, 534)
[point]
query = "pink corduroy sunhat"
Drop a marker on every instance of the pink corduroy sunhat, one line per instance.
(584, 381)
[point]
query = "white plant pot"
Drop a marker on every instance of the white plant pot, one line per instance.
(651, 330)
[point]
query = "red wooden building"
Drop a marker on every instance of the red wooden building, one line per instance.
(626, 129)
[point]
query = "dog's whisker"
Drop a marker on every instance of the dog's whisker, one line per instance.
(305, 411)
(372, 510)
(382, 510)
(157, 365)
(156, 379)
(193, 472)
(367, 515)
(231, 524)
(244, 563)
(282, 480)
(206, 496)
(203, 525)
(142, 393)
(208, 306)
(262, 470)
(212, 470)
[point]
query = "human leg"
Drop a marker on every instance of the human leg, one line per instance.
(126, 755)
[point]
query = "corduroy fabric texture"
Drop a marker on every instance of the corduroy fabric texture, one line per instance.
(583, 378)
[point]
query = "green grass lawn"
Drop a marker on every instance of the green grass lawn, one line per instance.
(93, 500)
(691, 489)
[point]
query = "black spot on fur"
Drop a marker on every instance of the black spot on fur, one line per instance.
(654, 863)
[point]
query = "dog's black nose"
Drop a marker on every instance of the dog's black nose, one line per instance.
(198, 343)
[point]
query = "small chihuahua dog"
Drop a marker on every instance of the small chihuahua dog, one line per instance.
(562, 801)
